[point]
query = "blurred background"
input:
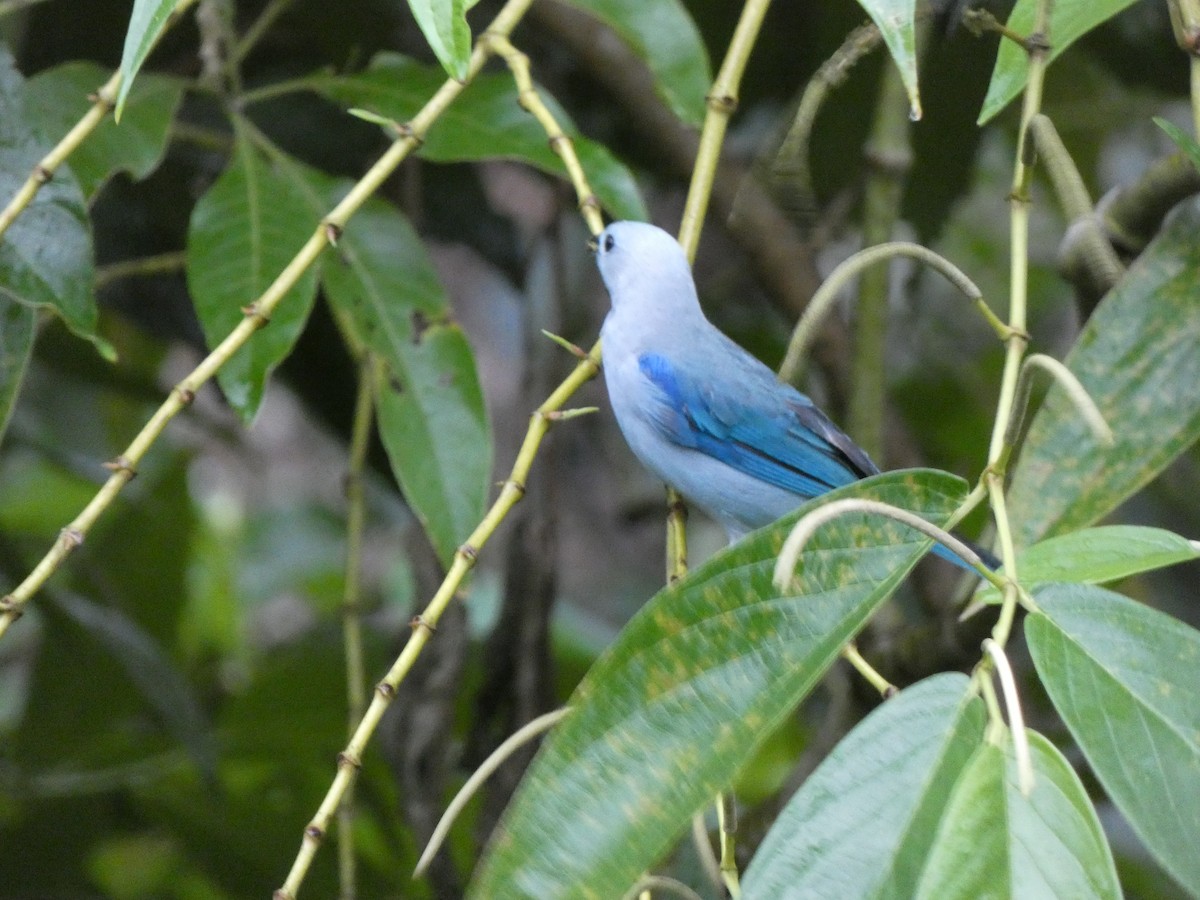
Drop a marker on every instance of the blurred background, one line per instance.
(172, 704)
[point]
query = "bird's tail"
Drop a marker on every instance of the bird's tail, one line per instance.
(989, 559)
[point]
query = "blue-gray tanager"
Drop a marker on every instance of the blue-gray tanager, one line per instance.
(699, 411)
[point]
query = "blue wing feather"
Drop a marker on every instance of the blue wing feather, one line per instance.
(766, 429)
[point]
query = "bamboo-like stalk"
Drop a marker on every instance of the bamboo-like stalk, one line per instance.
(889, 158)
(722, 102)
(495, 39)
(258, 313)
(103, 103)
(1037, 45)
(356, 678)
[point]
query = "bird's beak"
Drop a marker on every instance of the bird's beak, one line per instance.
(593, 244)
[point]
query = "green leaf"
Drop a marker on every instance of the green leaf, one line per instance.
(1098, 555)
(18, 325)
(147, 21)
(444, 24)
(695, 682)
(1069, 21)
(1123, 678)
(486, 122)
(59, 98)
(385, 292)
(1137, 359)
(863, 822)
(1058, 846)
(1182, 139)
(896, 20)
(996, 842)
(663, 34)
(46, 255)
(243, 232)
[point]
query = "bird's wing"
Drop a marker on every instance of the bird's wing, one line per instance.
(747, 419)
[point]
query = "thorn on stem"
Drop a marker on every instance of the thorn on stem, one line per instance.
(1036, 43)
(385, 690)
(10, 607)
(405, 132)
(574, 349)
(419, 622)
(98, 99)
(314, 832)
(254, 311)
(121, 464)
(723, 103)
(186, 395)
(333, 233)
(1191, 40)
(41, 174)
(71, 538)
(346, 761)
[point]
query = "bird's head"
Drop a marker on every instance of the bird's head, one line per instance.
(645, 270)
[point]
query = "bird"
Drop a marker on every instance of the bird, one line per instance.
(698, 410)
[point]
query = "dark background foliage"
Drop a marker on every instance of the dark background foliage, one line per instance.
(172, 704)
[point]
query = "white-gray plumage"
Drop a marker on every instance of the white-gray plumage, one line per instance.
(698, 410)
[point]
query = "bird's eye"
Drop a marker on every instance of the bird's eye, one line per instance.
(608, 243)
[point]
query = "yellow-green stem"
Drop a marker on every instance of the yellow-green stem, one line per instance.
(866, 670)
(727, 828)
(360, 437)
(722, 101)
(889, 157)
(258, 314)
(102, 105)
(1038, 47)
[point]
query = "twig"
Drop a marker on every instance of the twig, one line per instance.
(889, 156)
(103, 103)
(356, 677)
(722, 101)
(159, 264)
(258, 313)
(805, 528)
(511, 744)
(1038, 47)
(1008, 687)
(823, 300)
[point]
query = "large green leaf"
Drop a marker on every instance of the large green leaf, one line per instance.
(896, 21)
(1137, 359)
(18, 325)
(243, 232)
(59, 98)
(1124, 679)
(663, 34)
(996, 842)
(147, 21)
(444, 24)
(1069, 21)
(384, 290)
(46, 255)
(863, 822)
(486, 122)
(1098, 555)
(695, 682)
